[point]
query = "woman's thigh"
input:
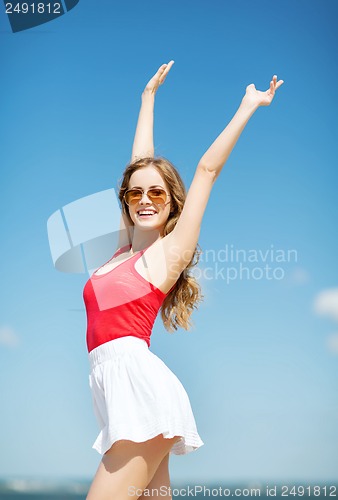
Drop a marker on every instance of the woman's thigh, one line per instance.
(128, 467)
(159, 486)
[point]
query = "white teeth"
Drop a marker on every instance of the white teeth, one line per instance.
(146, 212)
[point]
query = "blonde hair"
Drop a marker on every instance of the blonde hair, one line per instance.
(179, 304)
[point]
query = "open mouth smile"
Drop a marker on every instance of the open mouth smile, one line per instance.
(146, 213)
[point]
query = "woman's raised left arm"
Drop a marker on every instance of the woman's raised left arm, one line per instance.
(218, 153)
(143, 145)
(184, 236)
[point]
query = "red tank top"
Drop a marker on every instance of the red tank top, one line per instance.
(120, 303)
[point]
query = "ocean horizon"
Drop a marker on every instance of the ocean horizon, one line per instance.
(37, 489)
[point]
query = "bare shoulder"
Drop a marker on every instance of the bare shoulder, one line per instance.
(161, 263)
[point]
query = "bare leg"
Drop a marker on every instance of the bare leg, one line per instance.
(158, 487)
(128, 467)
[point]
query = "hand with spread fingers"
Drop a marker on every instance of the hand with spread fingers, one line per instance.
(159, 78)
(257, 98)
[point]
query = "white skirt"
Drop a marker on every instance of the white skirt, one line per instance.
(136, 397)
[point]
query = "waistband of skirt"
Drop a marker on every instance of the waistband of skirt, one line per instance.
(109, 350)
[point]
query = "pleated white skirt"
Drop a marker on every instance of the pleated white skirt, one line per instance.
(136, 397)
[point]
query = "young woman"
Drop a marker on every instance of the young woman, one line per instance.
(142, 408)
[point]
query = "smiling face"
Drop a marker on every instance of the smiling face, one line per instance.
(146, 214)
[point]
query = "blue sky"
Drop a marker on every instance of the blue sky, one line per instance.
(260, 364)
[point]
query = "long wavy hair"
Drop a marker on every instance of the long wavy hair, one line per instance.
(179, 304)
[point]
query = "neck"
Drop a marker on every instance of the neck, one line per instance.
(141, 240)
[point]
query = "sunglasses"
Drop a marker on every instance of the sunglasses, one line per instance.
(156, 195)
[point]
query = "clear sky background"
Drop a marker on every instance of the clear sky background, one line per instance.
(261, 363)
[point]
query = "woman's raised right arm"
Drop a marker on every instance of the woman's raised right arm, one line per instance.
(143, 145)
